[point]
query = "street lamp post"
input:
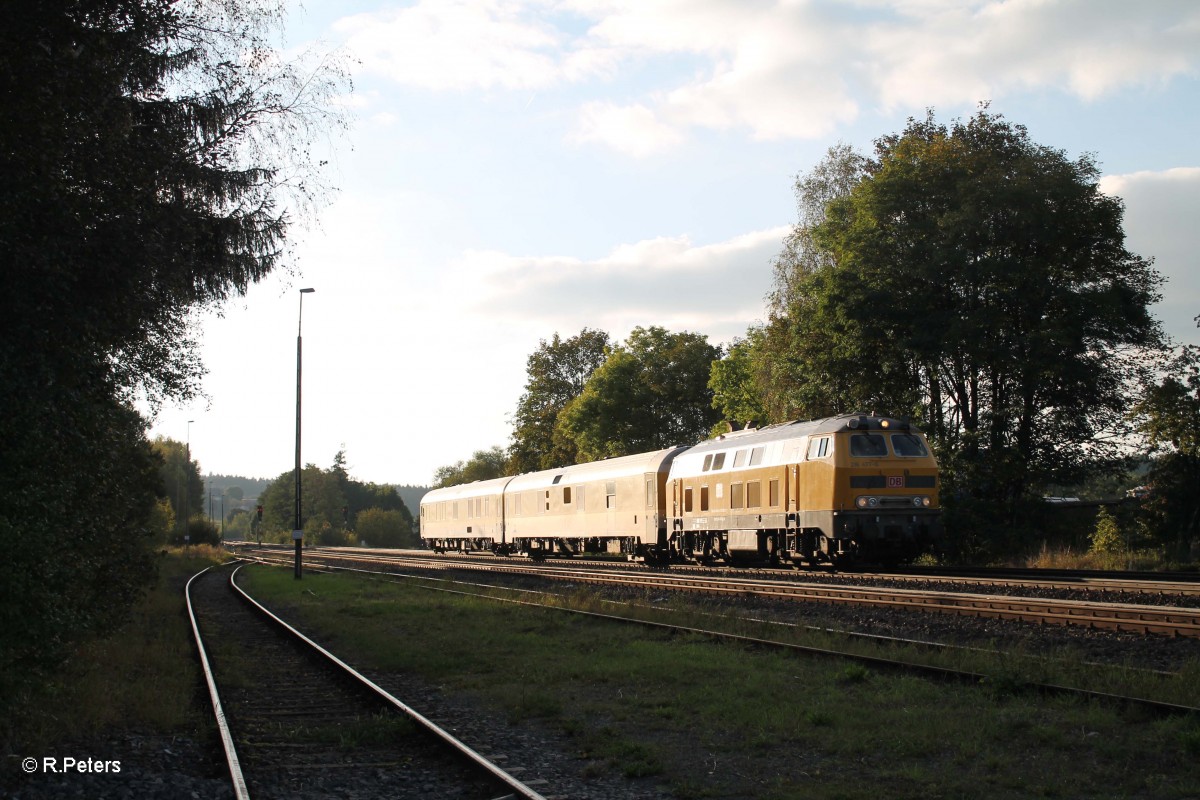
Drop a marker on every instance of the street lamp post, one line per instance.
(297, 526)
(187, 483)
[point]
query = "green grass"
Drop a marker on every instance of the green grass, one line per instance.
(709, 718)
(143, 678)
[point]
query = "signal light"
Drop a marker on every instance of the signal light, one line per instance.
(258, 510)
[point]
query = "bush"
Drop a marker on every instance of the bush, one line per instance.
(1106, 538)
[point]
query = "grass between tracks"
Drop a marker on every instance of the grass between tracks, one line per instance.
(712, 719)
(143, 678)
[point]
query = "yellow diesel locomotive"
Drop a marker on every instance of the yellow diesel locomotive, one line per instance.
(840, 489)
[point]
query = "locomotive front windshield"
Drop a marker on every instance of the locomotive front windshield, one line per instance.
(909, 446)
(868, 445)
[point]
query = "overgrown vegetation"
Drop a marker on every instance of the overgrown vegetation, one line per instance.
(711, 718)
(143, 677)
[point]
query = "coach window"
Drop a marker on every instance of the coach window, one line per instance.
(650, 504)
(516, 505)
(739, 459)
(868, 445)
(774, 492)
(704, 498)
(753, 494)
(610, 494)
(580, 497)
(718, 461)
(756, 456)
(566, 495)
(707, 463)
(735, 495)
(547, 500)
(687, 500)
(909, 446)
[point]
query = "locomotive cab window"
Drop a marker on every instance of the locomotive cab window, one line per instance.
(868, 445)
(818, 447)
(718, 461)
(909, 446)
(566, 495)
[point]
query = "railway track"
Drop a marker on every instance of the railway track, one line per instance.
(531, 598)
(297, 722)
(1124, 616)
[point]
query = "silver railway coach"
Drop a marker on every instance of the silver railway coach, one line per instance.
(614, 506)
(465, 517)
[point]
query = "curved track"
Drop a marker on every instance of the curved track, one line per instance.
(312, 726)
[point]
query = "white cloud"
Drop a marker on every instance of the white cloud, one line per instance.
(715, 289)
(1161, 209)
(775, 70)
(634, 130)
(462, 44)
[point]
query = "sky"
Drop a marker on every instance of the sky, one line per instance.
(520, 169)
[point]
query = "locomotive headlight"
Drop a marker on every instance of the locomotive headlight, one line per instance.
(921, 502)
(861, 502)
(872, 501)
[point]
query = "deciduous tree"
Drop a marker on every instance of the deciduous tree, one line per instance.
(558, 371)
(980, 280)
(650, 393)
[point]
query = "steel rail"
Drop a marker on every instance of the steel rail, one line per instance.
(1071, 580)
(428, 724)
(231, 757)
(1166, 620)
(942, 673)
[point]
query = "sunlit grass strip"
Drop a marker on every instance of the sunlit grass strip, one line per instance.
(724, 719)
(1172, 693)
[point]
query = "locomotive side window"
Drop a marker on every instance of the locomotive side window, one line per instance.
(566, 495)
(774, 490)
(704, 498)
(718, 461)
(756, 456)
(818, 448)
(907, 445)
(707, 462)
(753, 494)
(735, 495)
(868, 445)
(687, 500)
(739, 459)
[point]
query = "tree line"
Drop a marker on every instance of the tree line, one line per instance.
(962, 276)
(337, 509)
